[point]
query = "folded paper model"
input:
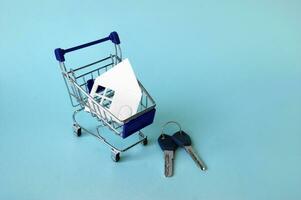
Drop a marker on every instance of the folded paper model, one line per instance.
(120, 91)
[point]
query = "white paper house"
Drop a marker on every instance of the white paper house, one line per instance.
(121, 94)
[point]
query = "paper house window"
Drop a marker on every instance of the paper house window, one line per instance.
(120, 91)
(105, 96)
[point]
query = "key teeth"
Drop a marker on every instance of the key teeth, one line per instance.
(195, 158)
(168, 163)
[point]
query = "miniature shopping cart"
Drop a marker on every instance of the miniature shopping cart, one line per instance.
(79, 81)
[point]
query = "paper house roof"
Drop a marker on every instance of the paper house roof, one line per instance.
(122, 81)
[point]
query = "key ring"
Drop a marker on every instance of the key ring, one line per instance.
(170, 122)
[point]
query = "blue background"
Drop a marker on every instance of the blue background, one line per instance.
(228, 71)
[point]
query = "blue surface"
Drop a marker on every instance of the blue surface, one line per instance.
(228, 71)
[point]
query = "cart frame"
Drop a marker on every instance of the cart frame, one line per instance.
(77, 83)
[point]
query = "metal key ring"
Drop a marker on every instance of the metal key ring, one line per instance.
(170, 122)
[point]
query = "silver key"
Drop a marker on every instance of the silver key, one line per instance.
(182, 139)
(168, 146)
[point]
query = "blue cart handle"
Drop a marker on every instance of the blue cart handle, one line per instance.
(60, 53)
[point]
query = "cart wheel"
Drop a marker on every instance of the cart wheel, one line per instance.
(115, 156)
(77, 130)
(144, 142)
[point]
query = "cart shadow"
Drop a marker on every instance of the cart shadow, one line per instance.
(140, 154)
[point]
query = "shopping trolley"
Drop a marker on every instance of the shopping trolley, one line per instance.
(79, 82)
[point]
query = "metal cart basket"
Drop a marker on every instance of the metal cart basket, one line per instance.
(79, 82)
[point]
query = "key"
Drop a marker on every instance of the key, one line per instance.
(169, 147)
(182, 139)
